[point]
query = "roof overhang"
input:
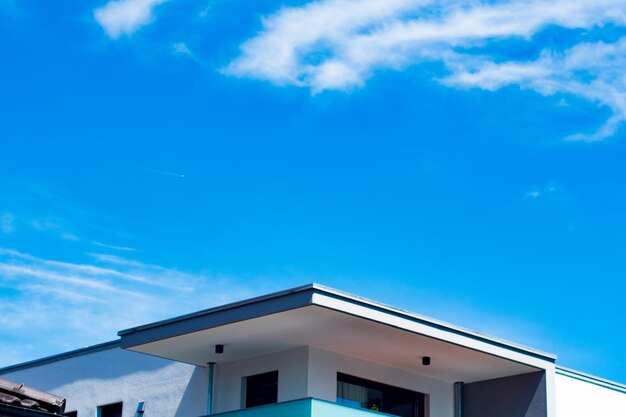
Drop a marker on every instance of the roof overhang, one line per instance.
(323, 318)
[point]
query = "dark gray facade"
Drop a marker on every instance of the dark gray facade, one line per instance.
(514, 396)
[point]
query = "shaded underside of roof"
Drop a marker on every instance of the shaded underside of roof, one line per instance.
(292, 299)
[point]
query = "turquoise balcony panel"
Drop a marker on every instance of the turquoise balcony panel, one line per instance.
(306, 407)
(320, 408)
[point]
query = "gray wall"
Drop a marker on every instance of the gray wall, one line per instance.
(514, 396)
(169, 389)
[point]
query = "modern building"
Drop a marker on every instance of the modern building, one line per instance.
(315, 352)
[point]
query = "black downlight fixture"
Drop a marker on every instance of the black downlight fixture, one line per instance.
(426, 360)
(219, 349)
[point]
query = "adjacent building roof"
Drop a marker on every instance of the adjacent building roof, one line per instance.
(7, 410)
(20, 400)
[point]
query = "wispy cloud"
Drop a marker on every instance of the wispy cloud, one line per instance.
(37, 215)
(62, 293)
(124, 17)
(552, 189)
(593, 71)
(7, 223)
(182, 48)
(64, 305)
(114, 247)
(339, 44)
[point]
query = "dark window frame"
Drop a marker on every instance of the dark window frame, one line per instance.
(261, 389)
(390, 394)
(110, 410)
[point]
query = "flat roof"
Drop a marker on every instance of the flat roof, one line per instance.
(61, 356)
(299, 297)
(591, 379)
(308, 289)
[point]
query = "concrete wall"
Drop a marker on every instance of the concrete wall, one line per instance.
(514, 396)
(169, 389)
(322, 380)
(292, 377)
(172, 389)
(306, 372)
(580, 396)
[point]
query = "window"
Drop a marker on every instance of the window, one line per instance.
(261, 389)
(71, 414)
(362, 393)
(110, 410)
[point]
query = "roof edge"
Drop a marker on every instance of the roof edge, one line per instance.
(321, 289)
(215, 309)
(61, 356)
(444, 325)
(592, 379)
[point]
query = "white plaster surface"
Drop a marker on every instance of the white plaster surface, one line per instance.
(308, 372)
(173, 389)
(169, 389)
(292, 377)
(322, 380)
(576, 398)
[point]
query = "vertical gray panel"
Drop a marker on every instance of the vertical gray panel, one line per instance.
(458, 399)
(514, 396)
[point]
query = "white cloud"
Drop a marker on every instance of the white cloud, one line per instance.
(284, 51)
(64, 305)
(115, 247)
(124, 17)
(181, 48)
(601, 65)
(69, 236)
(551, 189)
(339, 44)
(45, 224)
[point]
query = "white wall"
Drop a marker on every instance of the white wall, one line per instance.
(322, 380)
(579, 398)
(172, 389)
(292, 377)
(169, 389)
(307, 372)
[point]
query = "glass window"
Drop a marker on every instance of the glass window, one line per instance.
(110, 410)
(261, 389)
(71, 414)
(362, 393)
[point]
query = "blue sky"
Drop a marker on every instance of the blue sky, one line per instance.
(463, 160)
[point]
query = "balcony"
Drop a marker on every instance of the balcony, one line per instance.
(306, 407)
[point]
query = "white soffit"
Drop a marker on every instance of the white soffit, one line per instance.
(324, 328)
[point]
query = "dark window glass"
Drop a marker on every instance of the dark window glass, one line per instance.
(110, 410)
(71, 414)
(262, 389)
(362, 393)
